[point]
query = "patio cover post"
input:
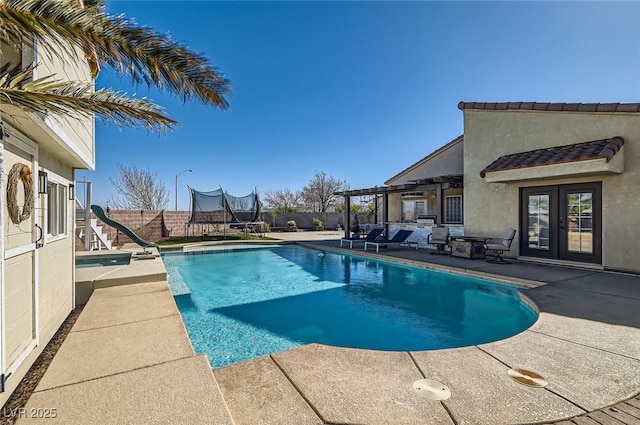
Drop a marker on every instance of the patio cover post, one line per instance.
(439, 218)
(347, 211)
(385, 213)
(375, 209)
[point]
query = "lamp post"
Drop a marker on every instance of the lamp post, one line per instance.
(178, 175)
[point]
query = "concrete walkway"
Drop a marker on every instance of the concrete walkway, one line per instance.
(128, 360)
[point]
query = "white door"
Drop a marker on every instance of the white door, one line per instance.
(19, 286)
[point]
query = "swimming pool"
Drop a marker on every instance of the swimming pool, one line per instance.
(240, 304)
(99, 260)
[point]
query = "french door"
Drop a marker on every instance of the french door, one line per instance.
(562, 222)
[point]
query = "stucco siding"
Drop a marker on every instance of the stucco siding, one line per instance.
(491, 207)
(447, 162)
(395, 207)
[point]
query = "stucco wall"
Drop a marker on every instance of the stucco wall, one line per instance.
(395, 207)
(447, 162)
(491, 207)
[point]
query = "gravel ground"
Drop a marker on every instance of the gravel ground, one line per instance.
(19, 398)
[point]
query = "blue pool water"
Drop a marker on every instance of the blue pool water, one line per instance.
(241, 304)
(100, 261)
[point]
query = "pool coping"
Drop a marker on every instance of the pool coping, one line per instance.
(323, 384)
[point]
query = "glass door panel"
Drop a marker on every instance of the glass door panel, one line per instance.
(579, 222)
(580, 234)
(538, 222)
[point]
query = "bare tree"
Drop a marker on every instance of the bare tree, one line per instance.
(283, 200)
(138, 190)
(318, 193)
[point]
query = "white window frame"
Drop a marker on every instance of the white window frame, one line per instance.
(448, 213)
(57, 197)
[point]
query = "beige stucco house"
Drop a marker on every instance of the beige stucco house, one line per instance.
(37, 262)
(438, 191)
(427, 193)
(566, 176)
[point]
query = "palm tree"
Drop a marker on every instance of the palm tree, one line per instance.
(62, 27)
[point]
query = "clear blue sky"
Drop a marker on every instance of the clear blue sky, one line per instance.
(359, 90)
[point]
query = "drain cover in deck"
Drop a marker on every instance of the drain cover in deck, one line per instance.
(528, 378)
(432, 389)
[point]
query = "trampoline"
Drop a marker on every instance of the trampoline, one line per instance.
(220, 207)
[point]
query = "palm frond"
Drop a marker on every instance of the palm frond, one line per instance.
(50, 96)
(139, 52)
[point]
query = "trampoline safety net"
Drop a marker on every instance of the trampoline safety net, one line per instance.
(219, 207)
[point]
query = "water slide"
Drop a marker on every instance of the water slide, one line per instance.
(99, 212)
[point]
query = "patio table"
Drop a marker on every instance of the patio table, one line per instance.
(468, 247)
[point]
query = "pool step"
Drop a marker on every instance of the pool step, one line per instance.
(177, 285)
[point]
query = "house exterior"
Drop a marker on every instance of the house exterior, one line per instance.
(425, 194)
(564, 175)
(37, 265)
(441, 198)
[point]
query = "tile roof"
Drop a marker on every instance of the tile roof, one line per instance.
(546, 106)
(585, 151)
(426, 158)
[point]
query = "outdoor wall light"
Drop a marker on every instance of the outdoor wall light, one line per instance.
(43, 181)
(72, 194)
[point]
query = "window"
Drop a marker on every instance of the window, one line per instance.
(420, 209)
(414, 205)
(453, 209)
(56, 209)
(408, 211)
(411, 210)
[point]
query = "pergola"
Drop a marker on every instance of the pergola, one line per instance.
(433, 183)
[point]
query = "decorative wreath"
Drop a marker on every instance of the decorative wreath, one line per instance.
(22, 172)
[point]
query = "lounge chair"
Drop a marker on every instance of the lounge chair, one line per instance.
(439, 237)
(373, 234)
(399, 238)
(498, 246)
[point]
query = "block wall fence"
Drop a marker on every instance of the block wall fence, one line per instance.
(149, 224)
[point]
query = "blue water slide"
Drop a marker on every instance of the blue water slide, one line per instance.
(99, 212)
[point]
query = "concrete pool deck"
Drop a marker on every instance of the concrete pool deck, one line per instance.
(128, 359)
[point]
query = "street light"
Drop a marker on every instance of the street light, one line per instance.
(178, 175)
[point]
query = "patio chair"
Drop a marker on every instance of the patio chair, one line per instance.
(373, 234)
(439, 237)
(499, 246)
(399, 239)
